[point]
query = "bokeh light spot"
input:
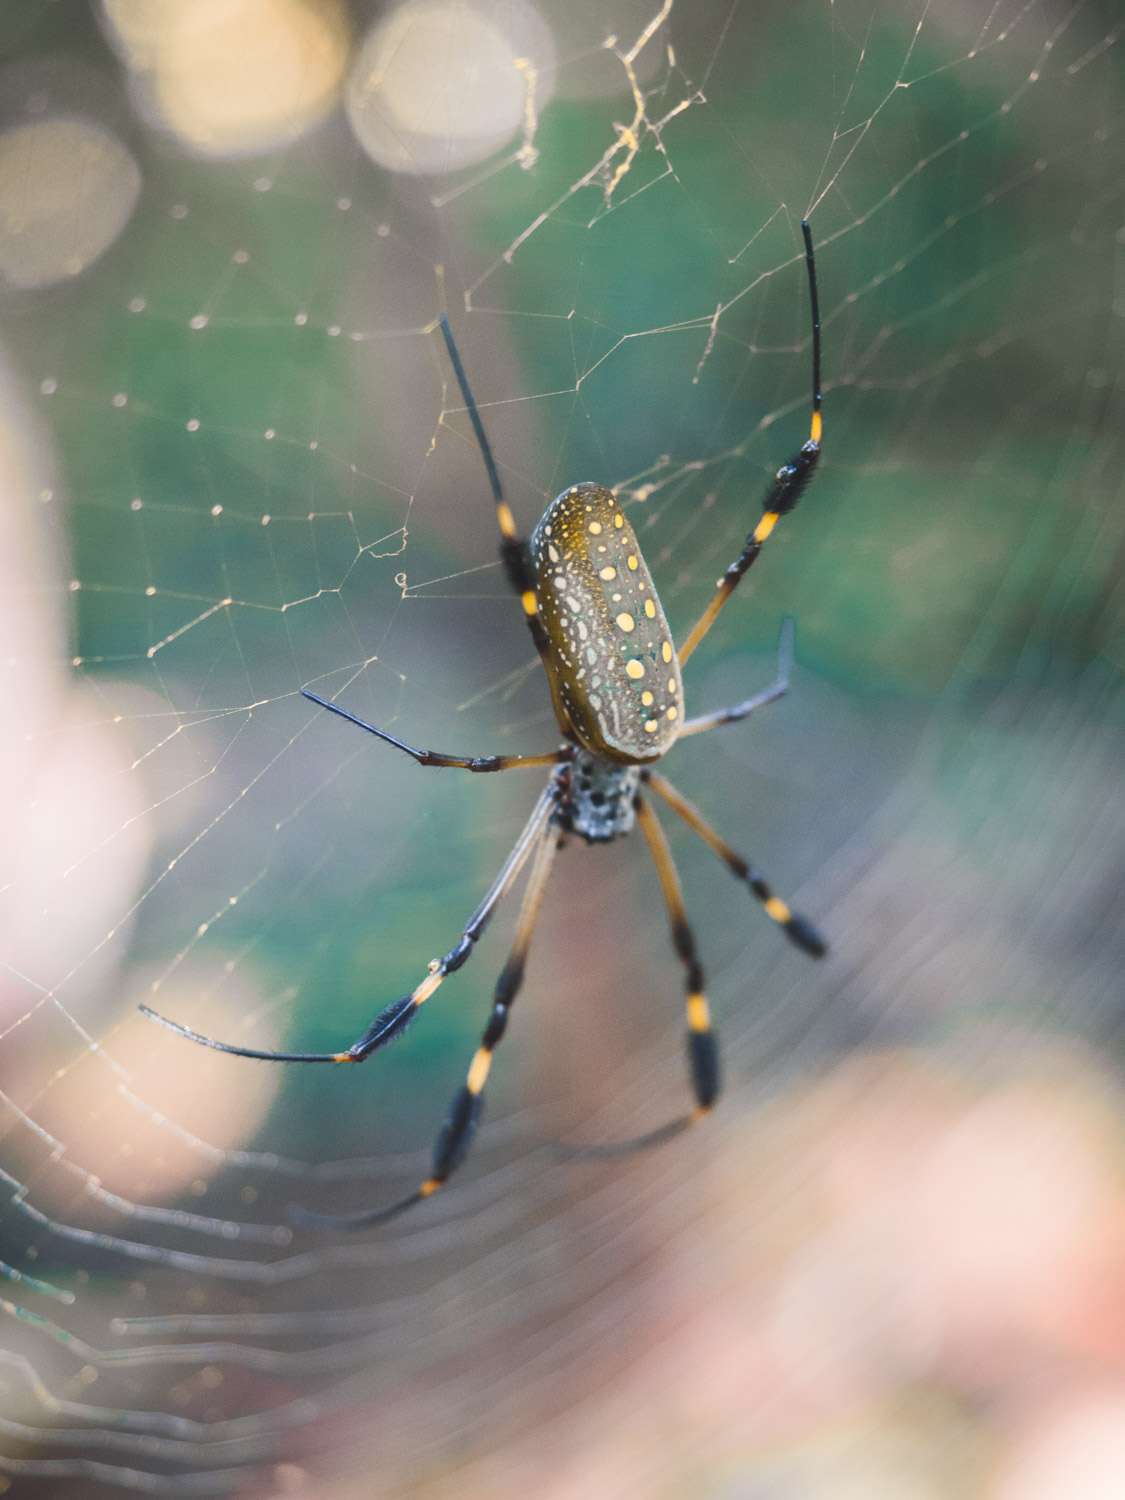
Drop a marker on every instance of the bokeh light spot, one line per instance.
(232, 77)
(439, 85)
(67, 189)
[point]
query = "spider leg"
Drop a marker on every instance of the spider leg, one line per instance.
(394, 1019)
(703, 1056)
(788, 485)
(777, 689)
(432, 758)
(800, 932)
(456, 1135)
(514, 551)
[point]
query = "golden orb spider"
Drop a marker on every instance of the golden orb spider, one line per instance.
(614, 677)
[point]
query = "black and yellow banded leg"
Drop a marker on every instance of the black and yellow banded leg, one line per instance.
(433, 758)
(456, 1135)
(395, 1018)
(799, 930)
(702, 1052)
(703, 1056)
(514, 552)
(513, 548)
(788, 485)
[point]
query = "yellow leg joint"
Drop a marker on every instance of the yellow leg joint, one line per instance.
(698, 1013)
(427, 987)
(817, 428)
(765, 525)
(430, 1185)
(777, 909)
(530, 603)
(506, 519)
(478, 1070)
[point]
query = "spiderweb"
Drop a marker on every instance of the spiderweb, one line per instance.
(235, 464)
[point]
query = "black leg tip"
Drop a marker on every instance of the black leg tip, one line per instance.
(703, 1060)
(456, 1135)
(802, 934)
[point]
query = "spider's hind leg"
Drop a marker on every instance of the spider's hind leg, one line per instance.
(456, 1134)
(702, 1049)
(798, 929)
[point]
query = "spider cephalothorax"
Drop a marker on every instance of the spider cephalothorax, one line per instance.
(599, 798)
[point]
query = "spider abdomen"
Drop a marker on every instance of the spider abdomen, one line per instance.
(612, 657)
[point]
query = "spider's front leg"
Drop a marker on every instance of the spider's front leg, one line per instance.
(788, 485)
(514, 551)
(456, 1135)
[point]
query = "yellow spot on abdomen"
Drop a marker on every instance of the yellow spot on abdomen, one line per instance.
(650, 609)
(633, 564)
(595, 528)
(625, 622)
(672, 712)
(619, 521)
(552, 552)
(666, 651)
(635, 669)
(650, 726)
(607, 574)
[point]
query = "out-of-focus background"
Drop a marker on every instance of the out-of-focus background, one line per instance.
(233, 464)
